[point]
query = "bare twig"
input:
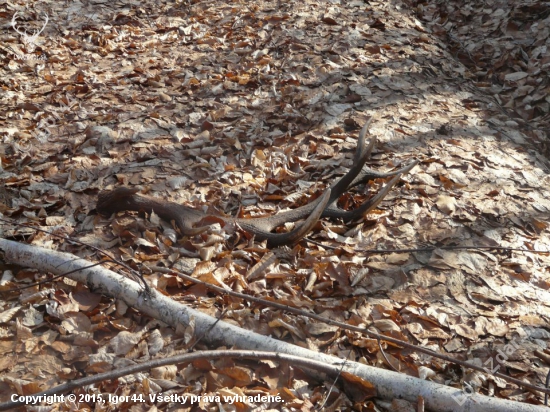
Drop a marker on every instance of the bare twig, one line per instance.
(346, 326)
(183, 359)
(428, 249)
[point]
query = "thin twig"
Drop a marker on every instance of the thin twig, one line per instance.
(325, 398)
(198, 339)
(342, 325)
(428, 249)
(420, 404)
(385, 357)
(182, 359)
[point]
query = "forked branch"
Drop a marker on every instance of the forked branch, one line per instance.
(190, 221)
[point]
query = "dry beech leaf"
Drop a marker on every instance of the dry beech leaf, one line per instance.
(386, 325)
(157, 385)
(155, 341)
(358, 388)
(32, 317)
(425, 373)
(243, 375)
(447, 204)
(358, 276)
(23, 332)
(124, 342)
(36, 296)
(167, 372)
(203, 268)
(207, 253)
(216, 278)
(86, 300)
(260, 268)
(76, 322)
(281, 323)
(30, 388)
(7, 315)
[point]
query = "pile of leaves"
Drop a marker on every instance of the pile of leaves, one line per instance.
(248, 108)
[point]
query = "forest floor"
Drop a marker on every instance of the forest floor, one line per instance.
(247, 108)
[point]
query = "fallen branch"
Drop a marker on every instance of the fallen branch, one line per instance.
(428, 249)
(390, 385)
(366, 331)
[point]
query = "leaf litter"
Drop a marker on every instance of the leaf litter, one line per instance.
(247, 109)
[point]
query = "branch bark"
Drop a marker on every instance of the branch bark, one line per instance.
(390, 385)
